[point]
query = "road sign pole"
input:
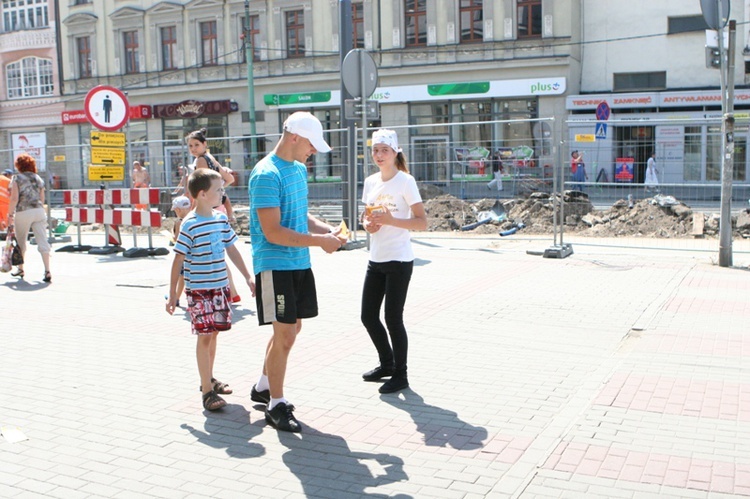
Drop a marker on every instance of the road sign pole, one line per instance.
(128, 162)
(365, 96)
(346, 44)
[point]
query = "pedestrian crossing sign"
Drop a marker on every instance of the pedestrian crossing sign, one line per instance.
(601, 131)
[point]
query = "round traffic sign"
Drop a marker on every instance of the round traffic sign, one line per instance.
(106, 108)
(602, 111)
(715, 13)
(351, 73)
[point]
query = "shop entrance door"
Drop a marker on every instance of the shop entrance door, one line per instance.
(636, 142)
(429, 158)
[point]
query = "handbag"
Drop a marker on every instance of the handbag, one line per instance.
(16, 258)
(11, 252)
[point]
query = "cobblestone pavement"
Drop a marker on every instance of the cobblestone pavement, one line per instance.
(616, 372)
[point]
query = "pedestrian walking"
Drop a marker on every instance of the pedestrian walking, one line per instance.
(651, 182)
(26, 212)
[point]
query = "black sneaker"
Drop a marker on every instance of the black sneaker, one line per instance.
(263, 397)
(378, 373)
(394, 384)
(281, 418)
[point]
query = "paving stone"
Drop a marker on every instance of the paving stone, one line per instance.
(611, 373)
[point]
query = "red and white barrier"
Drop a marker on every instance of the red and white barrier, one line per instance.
(79, 209)
(113, 196)
(137, 218)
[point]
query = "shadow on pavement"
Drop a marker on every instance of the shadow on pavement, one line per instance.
(230, 429)
(327, 467)
(440, 427)
(23, 285)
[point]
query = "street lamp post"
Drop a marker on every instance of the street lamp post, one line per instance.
(250, 88)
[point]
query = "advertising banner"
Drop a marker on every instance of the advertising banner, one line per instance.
(34, 144)
(624, 170)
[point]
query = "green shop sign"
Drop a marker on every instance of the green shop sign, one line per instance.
(477, 87)
(306, 98)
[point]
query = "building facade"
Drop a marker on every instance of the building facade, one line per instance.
(439, 62)
(651, 71)
(30, 88)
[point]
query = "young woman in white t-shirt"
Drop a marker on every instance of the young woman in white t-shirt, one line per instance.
(393, 207)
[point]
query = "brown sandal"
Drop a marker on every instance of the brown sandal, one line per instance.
(219, 387)
(212, 402)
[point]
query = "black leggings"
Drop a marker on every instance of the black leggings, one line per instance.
(389, 280)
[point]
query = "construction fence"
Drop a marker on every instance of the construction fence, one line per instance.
(486, 159)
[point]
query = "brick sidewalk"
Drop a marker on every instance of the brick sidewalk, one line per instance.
(612, 373)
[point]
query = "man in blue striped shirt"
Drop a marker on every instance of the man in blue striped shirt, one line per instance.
(281, 233)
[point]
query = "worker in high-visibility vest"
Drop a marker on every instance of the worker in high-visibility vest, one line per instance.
(5, 197)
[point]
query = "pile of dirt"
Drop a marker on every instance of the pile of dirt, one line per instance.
(659, 216)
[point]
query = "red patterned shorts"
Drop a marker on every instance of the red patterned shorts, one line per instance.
(210, 310)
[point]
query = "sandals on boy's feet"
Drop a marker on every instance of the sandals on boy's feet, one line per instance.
(212, 402)
(219, 387)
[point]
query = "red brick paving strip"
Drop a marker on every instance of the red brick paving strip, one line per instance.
(681, 396)
(651, 468)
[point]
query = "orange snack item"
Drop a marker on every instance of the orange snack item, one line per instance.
(369, 210)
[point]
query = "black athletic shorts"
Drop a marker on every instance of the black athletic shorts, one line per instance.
(285, 296)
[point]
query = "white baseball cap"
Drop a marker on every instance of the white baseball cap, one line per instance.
(181, 202)
(308, 126)
(387, 137)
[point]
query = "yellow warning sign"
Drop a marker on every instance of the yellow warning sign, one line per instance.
(106, 173)
(107, 139)
(586, 137)
(107, 156)
(59, 158)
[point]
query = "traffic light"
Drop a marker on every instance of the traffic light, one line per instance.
(713, 57)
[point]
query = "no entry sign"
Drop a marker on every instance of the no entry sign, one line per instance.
(106, 108)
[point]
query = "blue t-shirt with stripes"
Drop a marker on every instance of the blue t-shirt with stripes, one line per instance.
(203, 241)
(277, 183)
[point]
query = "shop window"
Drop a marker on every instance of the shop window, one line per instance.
(686, 24)
(713, 154)
(358, 25)
(130, 43)
(28, 14)
(474, 135)
(472, 24)
(254, 28)
(436, 113)
(295, 33)
(631, 82)
(209, 44)
(29, 77)
(691, 169)
(168, 47)
(415, 20)
(83, 47)
(740, 153)
(529, 19)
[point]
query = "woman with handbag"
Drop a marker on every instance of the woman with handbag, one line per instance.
(26, 211)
